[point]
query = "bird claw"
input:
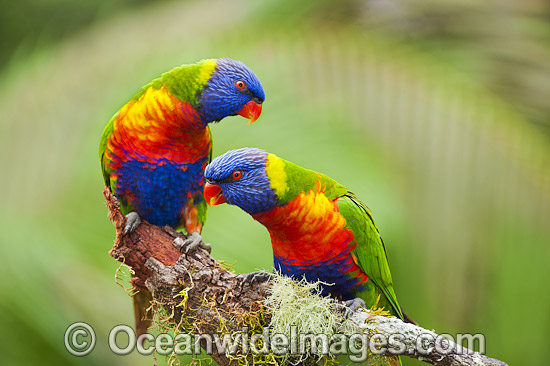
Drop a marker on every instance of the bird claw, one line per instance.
(258, 276)
(132, 222)
(191, 243)
(352, 305)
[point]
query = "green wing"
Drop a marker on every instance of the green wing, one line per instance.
(202, 206)
(300, 180)
(211, 145)
(102, 146)
(370, 252)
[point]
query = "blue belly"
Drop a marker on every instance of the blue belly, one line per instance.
(339, 284)
(158, 192)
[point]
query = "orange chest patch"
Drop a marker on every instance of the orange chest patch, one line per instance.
(156, 127)
(309, 227)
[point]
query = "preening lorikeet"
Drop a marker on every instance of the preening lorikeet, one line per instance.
(318, 228)
(154, 149)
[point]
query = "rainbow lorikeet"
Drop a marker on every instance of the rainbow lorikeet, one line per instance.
(154, 149)
(318, 228)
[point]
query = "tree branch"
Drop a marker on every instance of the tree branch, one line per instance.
(215, 296)
(421, 343)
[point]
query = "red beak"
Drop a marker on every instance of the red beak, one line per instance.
(251, 110)
(213, 194)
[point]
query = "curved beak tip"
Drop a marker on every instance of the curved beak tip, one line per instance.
(213, 194)
(251, 110)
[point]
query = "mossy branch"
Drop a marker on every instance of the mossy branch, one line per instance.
(203, 296)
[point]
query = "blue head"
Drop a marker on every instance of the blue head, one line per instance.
(239, 178)
(232, 89)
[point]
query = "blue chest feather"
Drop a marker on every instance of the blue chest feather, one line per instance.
(159, 192)
(340, 284)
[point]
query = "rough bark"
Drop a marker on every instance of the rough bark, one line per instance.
(159, 267)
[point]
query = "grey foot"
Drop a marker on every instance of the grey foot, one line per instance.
(352, 305)
(193, 242)
(132, 222)
(258, 276)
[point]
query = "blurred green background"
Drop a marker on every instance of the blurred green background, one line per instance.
(435, 113)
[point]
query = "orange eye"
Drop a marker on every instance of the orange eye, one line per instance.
(240, 84)
(237, 174)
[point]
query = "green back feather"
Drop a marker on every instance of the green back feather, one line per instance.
(289, 180)
(184, 82)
